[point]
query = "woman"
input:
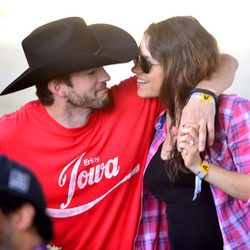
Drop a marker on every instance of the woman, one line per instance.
(182, 53)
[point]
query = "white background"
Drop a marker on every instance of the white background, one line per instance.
(227, 20)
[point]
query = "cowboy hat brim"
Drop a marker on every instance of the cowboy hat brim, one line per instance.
(116, 46)
(44, 73)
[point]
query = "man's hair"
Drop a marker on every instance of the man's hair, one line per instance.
(42, 222)
(43, 93)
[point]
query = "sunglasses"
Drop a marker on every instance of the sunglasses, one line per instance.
(144, 63)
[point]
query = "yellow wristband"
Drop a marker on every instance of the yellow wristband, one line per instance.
(206, 98)
(203, 97)
(203, 171)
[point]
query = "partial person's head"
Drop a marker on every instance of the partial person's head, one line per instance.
(23, 218)
(175, 54)
(62, 49)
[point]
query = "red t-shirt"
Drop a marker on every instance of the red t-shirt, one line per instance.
(91, 175)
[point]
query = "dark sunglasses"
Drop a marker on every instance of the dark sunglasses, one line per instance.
(144, 63)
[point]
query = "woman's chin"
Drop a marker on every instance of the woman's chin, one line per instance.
(142, 94)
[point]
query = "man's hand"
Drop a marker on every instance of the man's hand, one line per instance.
(202, 113)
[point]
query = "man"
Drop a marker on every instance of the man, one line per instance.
(90, 169)
(24, 223)
(89, 159)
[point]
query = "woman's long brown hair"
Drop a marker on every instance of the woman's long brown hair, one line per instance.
(188, 54)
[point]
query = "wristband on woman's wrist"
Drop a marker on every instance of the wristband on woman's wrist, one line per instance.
(203, 94)
(203, 171)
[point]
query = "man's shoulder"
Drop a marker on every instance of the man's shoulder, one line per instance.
(14, 116)
(129, 83)
(17, 126)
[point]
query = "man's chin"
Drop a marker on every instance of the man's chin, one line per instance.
(105, 103)
(101, 104)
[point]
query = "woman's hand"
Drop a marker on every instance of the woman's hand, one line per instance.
(202, 113)
(233, 183)
(189, 142)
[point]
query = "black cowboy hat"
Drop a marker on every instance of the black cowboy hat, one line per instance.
(69, 45)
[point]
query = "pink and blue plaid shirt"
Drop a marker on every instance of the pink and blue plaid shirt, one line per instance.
(231, 150)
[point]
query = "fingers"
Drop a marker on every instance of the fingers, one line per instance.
(174, 131)
(189, 150)
(200, 131)
(202, 136)
(191, 129)
(190, 155)
(188, 134)
(210, 130)
(189, 137)
(184, 151)
(189, 144)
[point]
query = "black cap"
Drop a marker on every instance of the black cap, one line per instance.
(18, 181)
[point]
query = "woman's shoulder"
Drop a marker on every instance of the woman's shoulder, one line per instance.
(233, 110)
(229, 102)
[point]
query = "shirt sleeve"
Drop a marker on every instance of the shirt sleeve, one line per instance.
(238, 131)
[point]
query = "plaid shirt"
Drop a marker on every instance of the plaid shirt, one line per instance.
(231, 150)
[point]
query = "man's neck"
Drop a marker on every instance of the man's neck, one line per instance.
(68, 116)
(29, 240)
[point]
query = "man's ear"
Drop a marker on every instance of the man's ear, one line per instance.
(24, 216)
(56, 87)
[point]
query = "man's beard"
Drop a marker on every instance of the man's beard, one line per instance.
(87, 101)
